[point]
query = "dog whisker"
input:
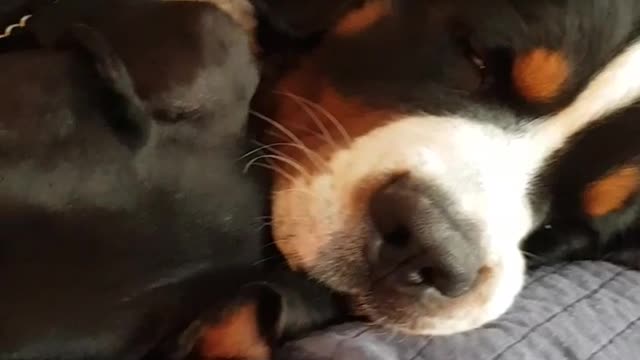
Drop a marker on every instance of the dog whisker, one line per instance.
(266, 224)
(284, 159)
(273, 243)
(532, 256)
(319, 123)
(343, 131)
(320, 165)
(268, 245)
(305, 130)
(271, 147)
(265, 260)
(276, 135)
(276, 169)
(255, 151)
(288, 133)
(298, 190)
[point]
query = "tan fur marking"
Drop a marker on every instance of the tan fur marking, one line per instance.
(235, 337)
(612, 192)
(312, 108)
(539, 76)
(362, 18)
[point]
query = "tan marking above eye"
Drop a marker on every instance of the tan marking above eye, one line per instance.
(611, 193)
(540, 75)
(362, 18)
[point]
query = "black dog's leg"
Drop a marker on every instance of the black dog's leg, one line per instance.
(284, 306)
(305, 304)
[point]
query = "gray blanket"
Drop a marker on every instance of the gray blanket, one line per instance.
(584, 311)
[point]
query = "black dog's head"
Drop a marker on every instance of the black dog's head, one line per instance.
(302, 19)
(120, 171)
(153, 95)
(411, 139)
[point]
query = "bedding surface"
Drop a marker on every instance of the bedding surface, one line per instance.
(581, 311)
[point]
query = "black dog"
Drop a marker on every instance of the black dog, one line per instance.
(125, 209)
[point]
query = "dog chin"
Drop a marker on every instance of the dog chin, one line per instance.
(492, 296)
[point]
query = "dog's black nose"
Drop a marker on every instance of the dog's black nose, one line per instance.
(421, 243)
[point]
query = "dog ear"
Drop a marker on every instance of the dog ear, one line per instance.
(303, 18)
(128, 116)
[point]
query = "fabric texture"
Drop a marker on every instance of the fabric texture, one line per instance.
(581, 311)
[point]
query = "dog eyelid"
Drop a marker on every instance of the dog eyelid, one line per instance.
(474, 56)
(471, 53)
(477, 61)
(465, 42)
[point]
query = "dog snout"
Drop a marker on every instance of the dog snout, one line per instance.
(419, 243)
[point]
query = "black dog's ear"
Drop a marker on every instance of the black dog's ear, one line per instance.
(303, 18)
(127, 114)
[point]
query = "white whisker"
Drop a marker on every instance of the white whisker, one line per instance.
(284, 159)
(343, 131)
(276, 169)
(320, 165)
(288, 133)
(298, 190)
(319, 123)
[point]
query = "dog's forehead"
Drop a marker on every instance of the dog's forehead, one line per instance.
(397, 55)
(393, 59)
(416, 54)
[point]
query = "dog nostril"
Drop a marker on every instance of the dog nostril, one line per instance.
(430, 276)
(447, 284)
(399, 236)
(427, 276)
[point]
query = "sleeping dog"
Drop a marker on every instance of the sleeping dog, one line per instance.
(125, 210)
(420, 145)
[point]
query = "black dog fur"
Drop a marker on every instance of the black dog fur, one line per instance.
(127, 219)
